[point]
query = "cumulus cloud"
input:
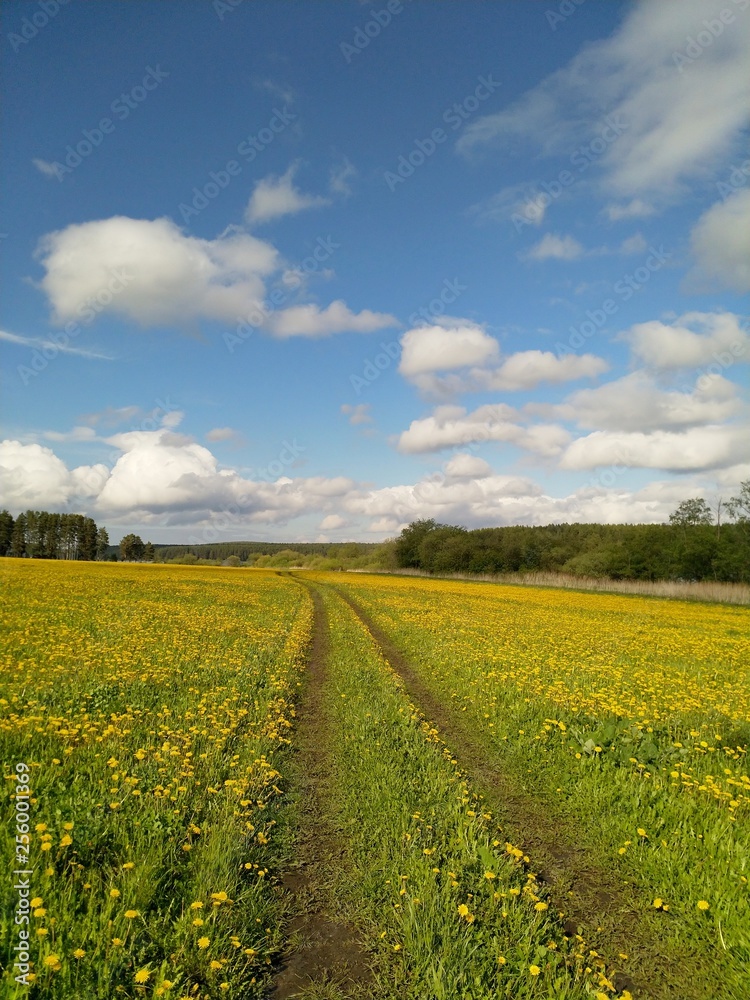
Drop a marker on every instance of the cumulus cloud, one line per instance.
(554, 247)
(693, 340)
(720, 243)
(151, 272)
(696, 449)
(675, 119)
(451, 426)
(274, 197)
(443, 347)
(332, 522)
(35, 478)
(636, 403)
(312, 321)
(465, 466)
(159, 275)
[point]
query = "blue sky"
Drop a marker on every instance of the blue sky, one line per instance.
(314, 270)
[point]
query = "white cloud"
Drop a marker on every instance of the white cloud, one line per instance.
(45, 167)
(690, 341)
(554, 247)
(76, 434)
(522, 200)
(221, 434)
(151, 272)
(696, 449)
(332, 522)
(48, 344)
(312, 321)
(637, 403)
(274, 197)
(521, 371)
(675, 121)
(633, 244)
(465, 466)
(359, 414)
(442, 347)
(721, 243)
(451, 426)
(634, 209)
(340, 177)
(35, 478)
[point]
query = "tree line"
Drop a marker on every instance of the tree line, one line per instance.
(37, 534)
(696, 544)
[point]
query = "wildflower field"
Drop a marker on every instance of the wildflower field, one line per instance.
(518, 792)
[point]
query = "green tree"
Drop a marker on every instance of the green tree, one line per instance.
(131, 548)
(148, 552)
(6, 531)
(18, 537)
(409, 541)
(739, 506)
(102, 543)
(691, 512)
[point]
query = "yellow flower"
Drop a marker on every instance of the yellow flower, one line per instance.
(224, 986)
(501, 960)
(66, 841)
(67, 826)
(41, 932)
(204, 942)
(128, 865)
(641, 832)
(534, 970)
(197, 922)
(703, 904)
(197, 905)
(219, 897)
(117, 941)
(53, 962)
(114, 893)
(46, 846)
(79, 953)
(132, 913)
(540, 907)
(142, 975)
(214, 964)
(489, 876)
(36, 901)
(40, 912)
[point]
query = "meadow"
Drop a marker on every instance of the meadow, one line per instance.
(507, 792)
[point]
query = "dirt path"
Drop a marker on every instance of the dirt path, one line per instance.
(594, 903)
(324, 950)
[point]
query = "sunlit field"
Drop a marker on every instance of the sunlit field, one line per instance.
(155, 708)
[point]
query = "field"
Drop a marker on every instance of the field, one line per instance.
(246, 783)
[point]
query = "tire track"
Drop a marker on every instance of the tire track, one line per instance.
(324, 950)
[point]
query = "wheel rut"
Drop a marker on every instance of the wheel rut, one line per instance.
(594, 904)
(325, 951)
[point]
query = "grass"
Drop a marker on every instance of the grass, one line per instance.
(152, 706)
(627, 726)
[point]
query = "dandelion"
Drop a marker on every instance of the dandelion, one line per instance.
(534, 970)
(703, 904)
(132, 913)
(36, 901)
(540, 907)
(79, 953)
(114, 893)
(204, 942)
(128, 865)
(143, 975)
(197, 905)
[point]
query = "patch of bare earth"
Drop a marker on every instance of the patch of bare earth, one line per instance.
(594, 902)
(325, 953)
